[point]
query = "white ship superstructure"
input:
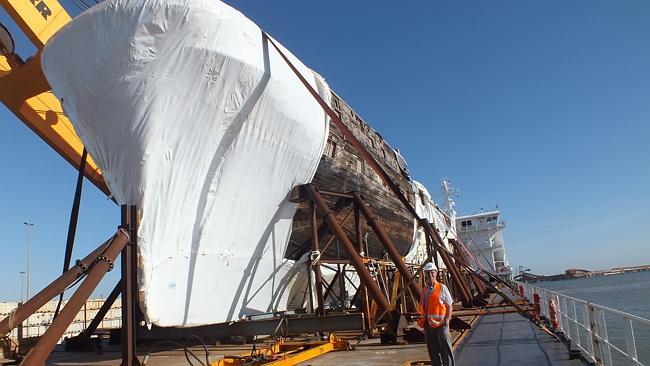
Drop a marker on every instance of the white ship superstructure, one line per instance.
(483, 234)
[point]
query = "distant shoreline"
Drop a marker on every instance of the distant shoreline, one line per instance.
(573, 274)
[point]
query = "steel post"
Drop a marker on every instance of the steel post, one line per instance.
(432, 249)
(593, 332)
(129, 221)
(358, 236)
(48, 293)
(315, 247)
(388, 244)
(355, 259)
(102, 264)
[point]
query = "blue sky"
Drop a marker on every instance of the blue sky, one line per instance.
(541, 108)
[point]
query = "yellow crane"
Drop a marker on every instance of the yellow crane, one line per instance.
(25, 91)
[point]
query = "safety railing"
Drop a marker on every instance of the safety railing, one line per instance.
(605, 336)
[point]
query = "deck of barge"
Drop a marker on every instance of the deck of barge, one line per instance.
(500, 339)
(510, 339)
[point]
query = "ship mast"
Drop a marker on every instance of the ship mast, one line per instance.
(448, 200)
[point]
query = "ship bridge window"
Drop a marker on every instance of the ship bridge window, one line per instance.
(492, 218)
(466, 223)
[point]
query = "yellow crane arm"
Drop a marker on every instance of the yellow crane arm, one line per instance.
(39, 19)
(24, 90)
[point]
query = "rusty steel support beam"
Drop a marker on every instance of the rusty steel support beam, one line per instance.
(323, 229)
(487, 283)
(388, 244)
(432, 249)
(22, 312)
(318, 276)
(451, 265)
(461, 255)
(357, 231)
(355, 259)
(102, 265)
(129, 288)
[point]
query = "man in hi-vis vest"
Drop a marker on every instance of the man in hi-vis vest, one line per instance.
(435, 312)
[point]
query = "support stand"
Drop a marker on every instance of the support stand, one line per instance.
(104, 257)
(355, 259)
(129, 287)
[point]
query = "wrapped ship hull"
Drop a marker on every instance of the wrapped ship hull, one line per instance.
(194, 120)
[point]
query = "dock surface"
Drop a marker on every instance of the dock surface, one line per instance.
(510, 339)
(495, 340)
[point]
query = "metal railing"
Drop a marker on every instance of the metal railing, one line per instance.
(584, 325)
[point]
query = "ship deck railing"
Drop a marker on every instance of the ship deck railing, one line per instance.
(585, 325)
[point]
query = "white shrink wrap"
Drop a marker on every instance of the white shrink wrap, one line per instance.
(193, 117)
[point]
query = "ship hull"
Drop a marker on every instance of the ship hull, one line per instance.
(202, 126)
(341, 169)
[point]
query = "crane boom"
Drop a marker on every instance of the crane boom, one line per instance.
(38, 19)
(26, 93)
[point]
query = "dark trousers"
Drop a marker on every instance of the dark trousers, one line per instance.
(439, 345)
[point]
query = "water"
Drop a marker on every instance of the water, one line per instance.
(629, 292)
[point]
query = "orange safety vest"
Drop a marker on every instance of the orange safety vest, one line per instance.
(432, 310)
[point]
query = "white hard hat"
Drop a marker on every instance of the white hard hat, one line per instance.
(430, 267)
